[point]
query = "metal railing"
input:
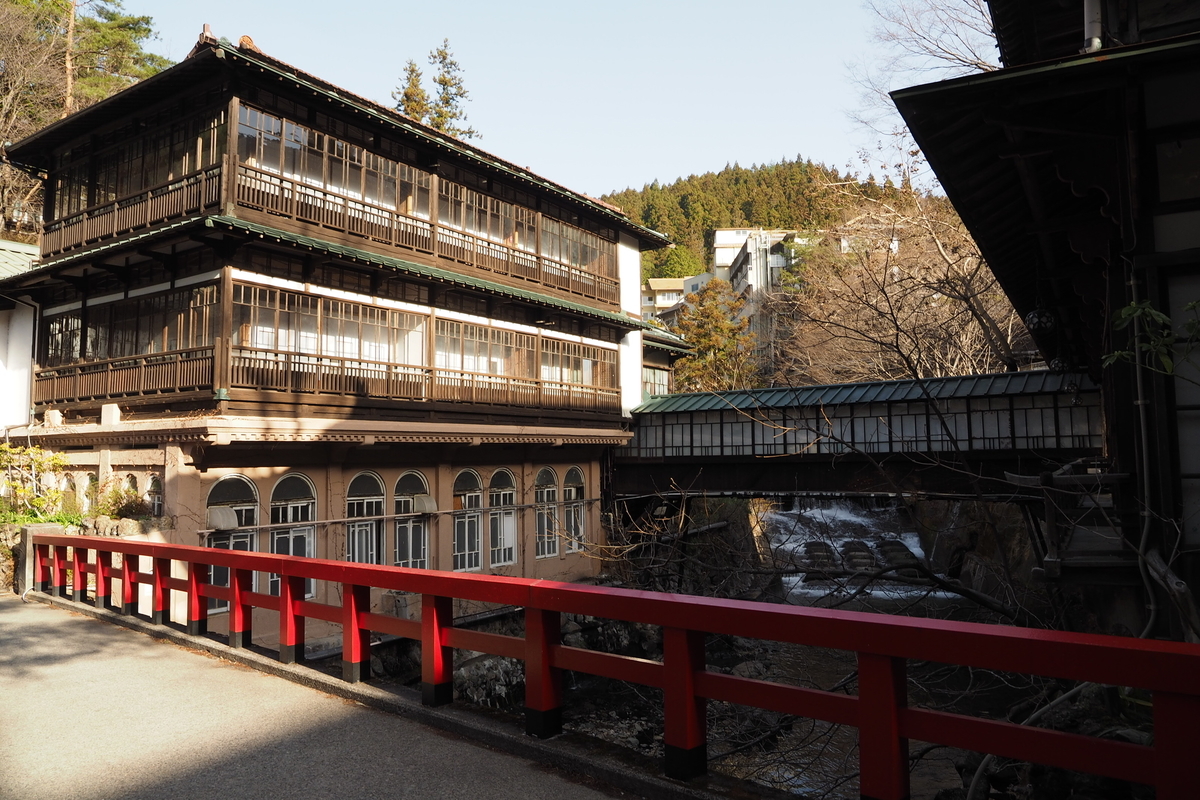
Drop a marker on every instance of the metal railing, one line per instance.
(883, 645)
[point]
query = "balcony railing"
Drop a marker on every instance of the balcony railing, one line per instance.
(269, 370)
(159, 373)
(883, 645)
(285, 197)
(190, 194)
(252, 368)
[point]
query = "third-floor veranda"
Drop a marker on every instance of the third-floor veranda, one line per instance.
(289, 203)
(208, 137)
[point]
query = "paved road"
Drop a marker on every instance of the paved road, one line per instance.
(91, 710)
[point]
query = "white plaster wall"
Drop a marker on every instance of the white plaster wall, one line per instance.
(629, 273)
(16, 364)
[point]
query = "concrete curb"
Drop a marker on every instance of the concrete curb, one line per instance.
(582, 755)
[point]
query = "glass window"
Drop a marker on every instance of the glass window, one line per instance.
(468, 497)
(294, 501)
(364, 537)
(574, 510)
(412, 532)
(237, 493)
(502, 518)
(545, 496)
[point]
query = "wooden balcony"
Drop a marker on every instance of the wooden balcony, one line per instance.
(306, 207)
(160, 373)
(271, 371)
(294, 200)
(191, 194)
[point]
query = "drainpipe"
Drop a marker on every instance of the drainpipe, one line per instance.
(1093, 26)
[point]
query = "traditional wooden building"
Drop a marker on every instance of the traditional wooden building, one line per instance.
(1077, 169)
(295, 321)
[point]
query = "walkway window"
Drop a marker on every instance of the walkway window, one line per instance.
(502, 518)
(468, 498)
(574, 510)
(364, 537)
(545, 496)
(232, 505)
(412, 532)
(293, 502)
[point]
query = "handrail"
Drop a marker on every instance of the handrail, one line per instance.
(882, 643)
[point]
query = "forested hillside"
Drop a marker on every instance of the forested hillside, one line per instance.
(796, 194)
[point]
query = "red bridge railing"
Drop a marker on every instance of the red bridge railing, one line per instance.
(1169, 670)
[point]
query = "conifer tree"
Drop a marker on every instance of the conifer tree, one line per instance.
(412, 100)
(723, 348)
(444, 110)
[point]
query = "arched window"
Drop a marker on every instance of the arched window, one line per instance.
(364, 537)
(412, 532)
(502, 518)
(293, 504)
(545, 498)
(468, 497)
(232, 505)
(89, 488)
(131, 486)
(574, 512)
(154, 496)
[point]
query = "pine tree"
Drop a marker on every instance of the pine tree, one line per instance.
(412, 100)
(447, 110)
(444, 111)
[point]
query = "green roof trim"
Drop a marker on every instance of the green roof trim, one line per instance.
(966, 386)
(433, 273)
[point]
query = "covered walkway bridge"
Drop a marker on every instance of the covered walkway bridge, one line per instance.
(941, 435)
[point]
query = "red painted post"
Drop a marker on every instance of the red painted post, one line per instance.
(882, 752)
(58, 570)
(543, 683)
(437, 660)
(78, 574)
(41, 566)
(1176, 768)
(291, 624)
(685, 737)
(356, 640)
(129, 568)
(160, 613)
(240, 612)
(104, 559)
(197, 624)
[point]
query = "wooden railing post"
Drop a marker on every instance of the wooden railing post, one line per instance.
(241, 613)
(41, 567)
(197, 615)
(129, 568)
(437, 660)
(103, 596)
(882, 751)
(356, 640)
(160, 604)
(291, 624)
(1176, 768)
(543, 683)
(78, 574)
(685, 737)
(58, 570)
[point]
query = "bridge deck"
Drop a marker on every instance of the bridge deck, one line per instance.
(95, 710)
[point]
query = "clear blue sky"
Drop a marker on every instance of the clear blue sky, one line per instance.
(597, 96)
